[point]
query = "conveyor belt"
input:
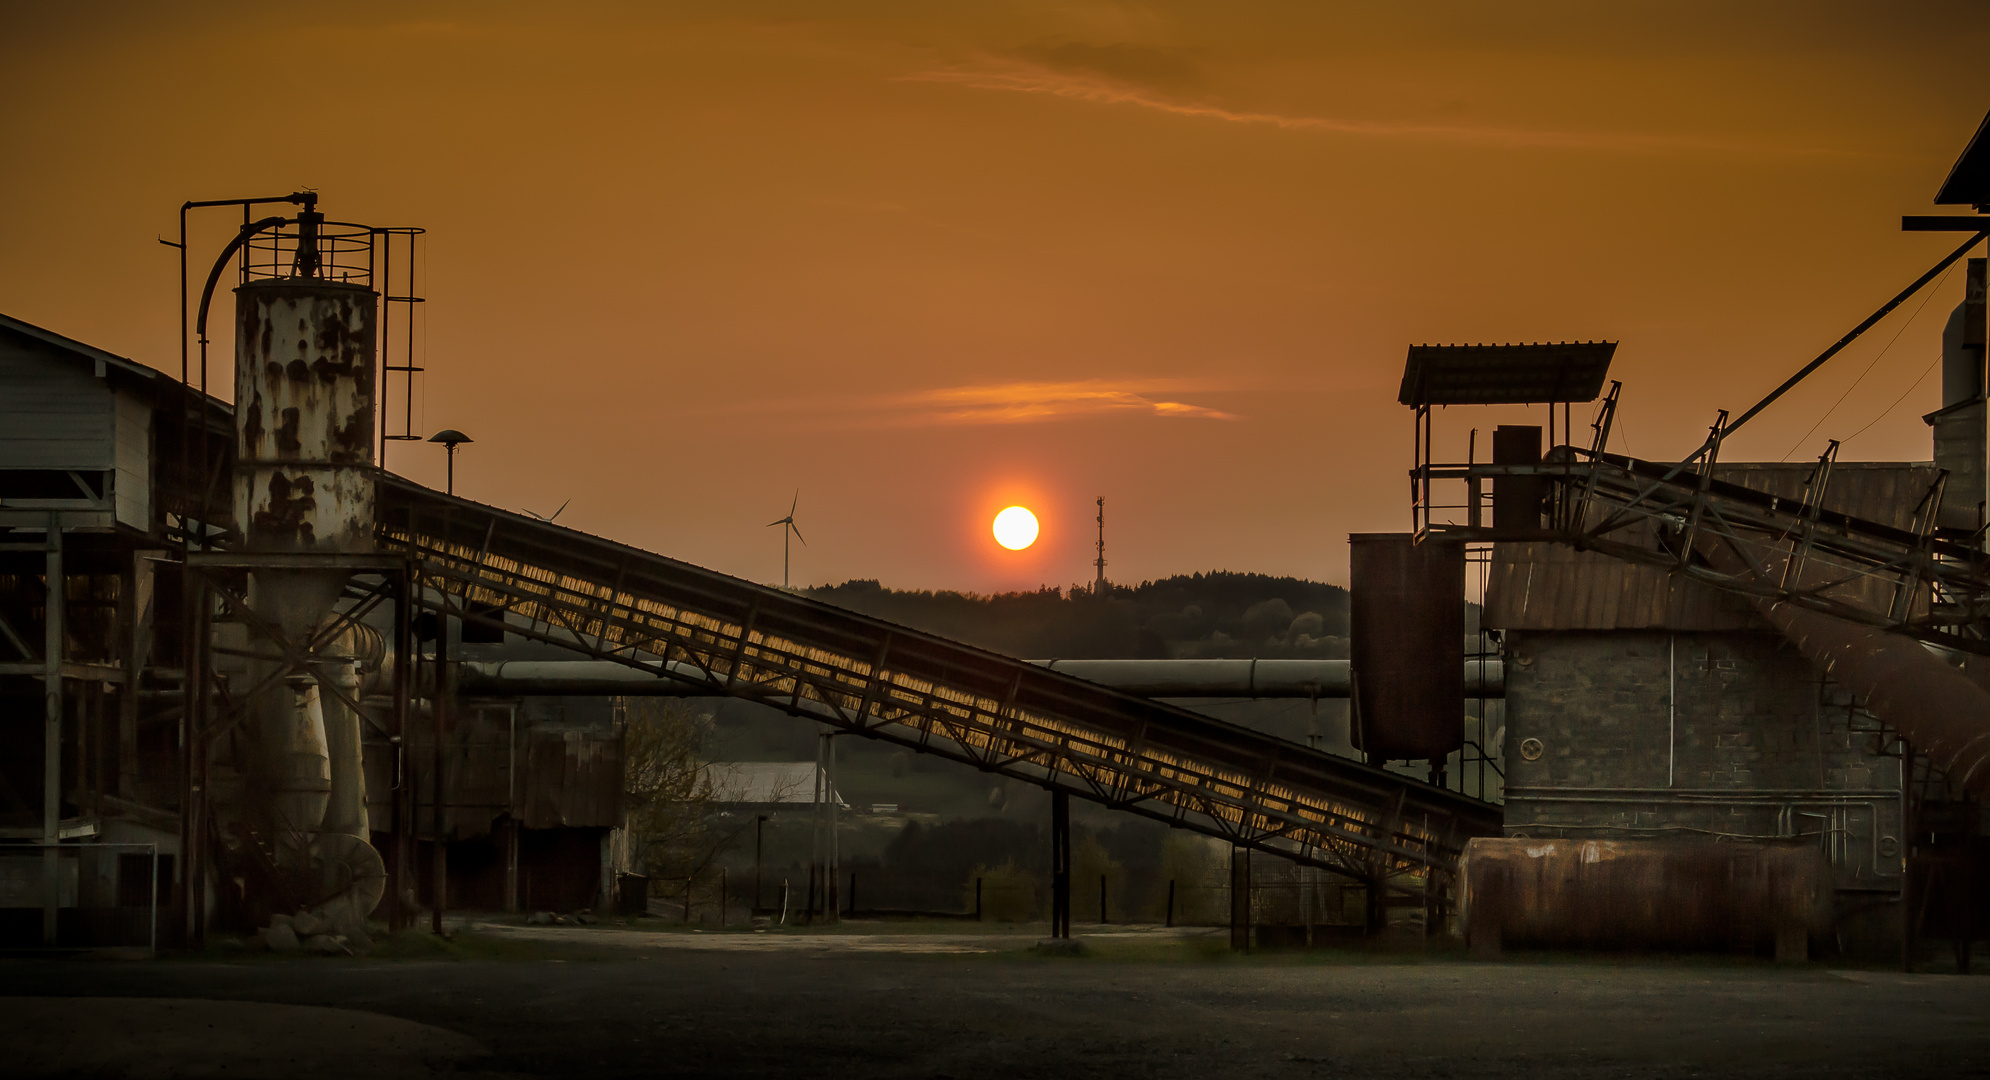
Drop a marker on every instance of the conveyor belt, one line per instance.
(1906, 580)
(888, 682)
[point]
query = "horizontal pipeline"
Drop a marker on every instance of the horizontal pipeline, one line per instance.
(1248, 678)
(1148, 678)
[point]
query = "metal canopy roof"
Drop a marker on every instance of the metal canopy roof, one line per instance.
(1969, 182)
(1506, 374)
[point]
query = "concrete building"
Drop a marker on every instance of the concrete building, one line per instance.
(1641, 704)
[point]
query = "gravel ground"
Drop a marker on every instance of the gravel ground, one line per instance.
(909, 1002)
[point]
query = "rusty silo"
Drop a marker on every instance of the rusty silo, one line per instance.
(304, 421)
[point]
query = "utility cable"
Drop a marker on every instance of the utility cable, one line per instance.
(1896, 402)
(1930, 295)
(1885, 309)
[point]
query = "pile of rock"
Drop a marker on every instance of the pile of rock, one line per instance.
(325, 932)
(554, 918)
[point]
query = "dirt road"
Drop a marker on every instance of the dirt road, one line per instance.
(567, 1004)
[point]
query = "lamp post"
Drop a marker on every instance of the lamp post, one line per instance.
(451, 439)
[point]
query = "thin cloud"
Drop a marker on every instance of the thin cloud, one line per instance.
(1016, 403)
(1023, 77)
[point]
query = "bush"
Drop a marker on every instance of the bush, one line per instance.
(1009, 893)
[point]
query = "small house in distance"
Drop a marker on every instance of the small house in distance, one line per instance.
(771, 786)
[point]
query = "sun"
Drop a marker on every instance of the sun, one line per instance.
(1015, 528)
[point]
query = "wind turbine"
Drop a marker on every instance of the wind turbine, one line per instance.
(789, 521)
(546, 518)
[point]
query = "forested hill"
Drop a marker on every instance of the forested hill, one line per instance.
(1188, 616)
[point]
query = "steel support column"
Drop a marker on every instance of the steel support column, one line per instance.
(402, 822)
(1240, 899)
(445, 691)
(832, 900)
(193, 754)
(1060, 864)
(55, 604)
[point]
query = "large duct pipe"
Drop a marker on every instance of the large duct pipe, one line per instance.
(1150, 678)
(1941, 711)
(345, 809)
(1248, 678)
(300, 767)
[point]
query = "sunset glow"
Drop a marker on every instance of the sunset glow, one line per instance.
(925, 262)
(1015, 528)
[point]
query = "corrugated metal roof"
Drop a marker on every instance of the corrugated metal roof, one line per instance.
(1544, 586)
(769, 783)
(1505, 374)
(1540, 586)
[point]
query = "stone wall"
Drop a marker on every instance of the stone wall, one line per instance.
(1730, 735)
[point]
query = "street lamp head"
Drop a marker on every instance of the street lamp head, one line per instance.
(450, 438)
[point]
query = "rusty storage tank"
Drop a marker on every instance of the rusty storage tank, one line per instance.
(304, 404)
(1643, 894)
(304, 414)
(1408, 627)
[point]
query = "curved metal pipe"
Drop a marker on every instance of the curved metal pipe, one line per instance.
(1940, 710)
(220, 264)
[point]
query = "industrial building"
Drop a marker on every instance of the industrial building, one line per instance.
(251, 672)
(1744, 703)
(272, 677)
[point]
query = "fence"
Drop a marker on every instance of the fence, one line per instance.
(1280, 895)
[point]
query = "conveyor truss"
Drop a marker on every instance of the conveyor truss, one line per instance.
(871, 678)
(1913, 580)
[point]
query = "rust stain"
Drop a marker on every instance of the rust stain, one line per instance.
(287, 442)
(352, 441)
(288, 516)
(252, 426)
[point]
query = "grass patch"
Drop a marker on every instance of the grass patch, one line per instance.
(416, 945)
(469, 945)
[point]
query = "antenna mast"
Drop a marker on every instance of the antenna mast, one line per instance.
(1099, 586)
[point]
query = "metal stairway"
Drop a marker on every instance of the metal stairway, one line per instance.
(872, 678)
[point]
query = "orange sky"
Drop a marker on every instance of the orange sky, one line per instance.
(922, 261)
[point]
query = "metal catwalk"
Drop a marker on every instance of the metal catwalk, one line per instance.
(872, 678)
